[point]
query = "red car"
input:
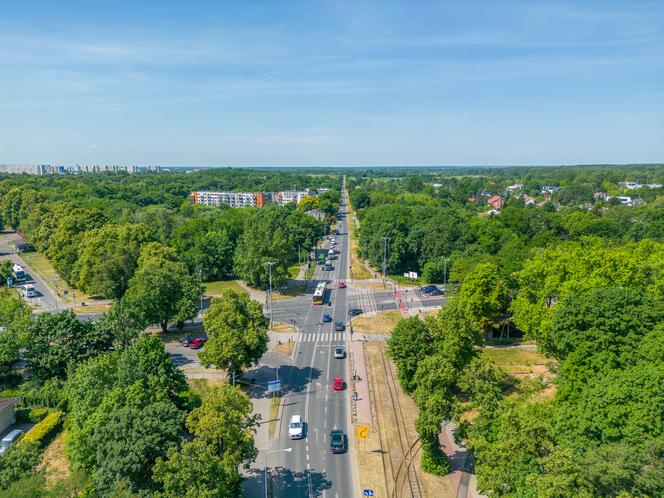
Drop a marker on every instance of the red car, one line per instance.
(342, 284)
(197, 343)
(338, 384)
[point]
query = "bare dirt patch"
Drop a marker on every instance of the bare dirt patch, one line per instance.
(54, 463)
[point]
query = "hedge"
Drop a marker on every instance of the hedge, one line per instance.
(44, 428)
(32, 415)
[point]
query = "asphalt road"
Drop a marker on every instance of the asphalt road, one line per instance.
(46, 298)
(310, 470)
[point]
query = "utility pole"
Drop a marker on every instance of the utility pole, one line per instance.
(200, 286)
(276, 363)
(385, 239)
(445, 274)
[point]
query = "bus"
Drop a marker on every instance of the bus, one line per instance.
(319, 294)
(19, 273)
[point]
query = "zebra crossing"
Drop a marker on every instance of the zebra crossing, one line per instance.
(323, 336)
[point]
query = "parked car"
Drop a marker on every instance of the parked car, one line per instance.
(337, 441)
(197, 343)
(342, 284)
(295, 427)
(354, 311)
(10, 439)
(338, 384)
(327, 318)
(339, 326)
(339, 353)
(185, 342)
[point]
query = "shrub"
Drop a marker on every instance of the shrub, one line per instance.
(18, 461)
(435, 462)
(32, 415)
(43, 429)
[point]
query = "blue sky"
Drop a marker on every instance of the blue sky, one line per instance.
(331, 83)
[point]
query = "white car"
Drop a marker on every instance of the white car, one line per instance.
(295, 427)
(9, 439)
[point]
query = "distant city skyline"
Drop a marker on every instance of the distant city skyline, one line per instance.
(339, 84)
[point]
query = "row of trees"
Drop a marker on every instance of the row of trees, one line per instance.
(133, 425)
(425, 222)
(93, 227)
(596, 310)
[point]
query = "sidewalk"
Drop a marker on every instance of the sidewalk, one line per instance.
(362, 411)
(462, 477)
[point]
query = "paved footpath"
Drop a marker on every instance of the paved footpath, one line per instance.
(362, 404)
(462, 477)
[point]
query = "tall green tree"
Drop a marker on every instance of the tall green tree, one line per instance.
(192, 471)
(108, 258)
(237, 332)
(264, 240)
(408, 345)
(14, 320)
(225, 423)
(162, 289)
(58, 341)
(484, 295)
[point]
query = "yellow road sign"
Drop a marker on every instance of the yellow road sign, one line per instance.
(362, 432)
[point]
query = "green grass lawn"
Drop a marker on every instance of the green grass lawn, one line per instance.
(215, 289)
(41, 265)
(293, 271)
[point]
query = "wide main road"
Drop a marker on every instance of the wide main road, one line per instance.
(311, 470)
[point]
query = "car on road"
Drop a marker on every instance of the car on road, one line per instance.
(338, 384)
(337, 441)
(342, 284)
(431, 290)
(9, 439)
(339, 326)
(185, 342)
(295, 427)
(329, 267)
(197, 343)
(327, 318)
(339, 353)
(354, 311)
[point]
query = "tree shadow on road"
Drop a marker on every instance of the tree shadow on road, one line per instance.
(293, 379)
(286, 482)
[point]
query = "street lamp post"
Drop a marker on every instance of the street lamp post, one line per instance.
(276, 363)
(285, 450)
(385, 239)
(445, 274)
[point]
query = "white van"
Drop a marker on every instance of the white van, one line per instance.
(295, 427)
(29, 291)
(9, 439)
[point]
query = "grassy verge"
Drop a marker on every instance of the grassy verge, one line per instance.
(531, 372)
(382, 323)
(284, 328)
(41, 265)
(285, 347)
(292, 290)
(215, 288)
(294, 271)
(274, 416)
(358, 267)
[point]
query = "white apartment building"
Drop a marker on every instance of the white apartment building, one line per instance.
(232, 199)
(290, 196)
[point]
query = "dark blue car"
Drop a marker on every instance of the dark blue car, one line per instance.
(327, 318)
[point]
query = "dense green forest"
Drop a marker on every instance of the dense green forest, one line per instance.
(582, 277)
(94, 227)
